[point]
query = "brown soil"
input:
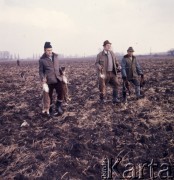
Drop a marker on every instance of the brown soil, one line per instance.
(74, 145)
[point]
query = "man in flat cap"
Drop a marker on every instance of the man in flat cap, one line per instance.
(107, 66)
(50, 74)
(130, 70)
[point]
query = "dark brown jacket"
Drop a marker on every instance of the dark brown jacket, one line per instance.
(130, 68)
(102, 60)
(49, 70)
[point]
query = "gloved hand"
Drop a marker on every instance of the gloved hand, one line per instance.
(44, 81)
(124, 78)
(142, 76)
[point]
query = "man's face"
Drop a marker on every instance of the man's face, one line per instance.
(107, 47)
(130, 53)
(48, 52)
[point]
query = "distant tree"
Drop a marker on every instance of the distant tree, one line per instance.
(5, 55)
(18, 62)
(15, 56)
(171, 52)
(99, 49)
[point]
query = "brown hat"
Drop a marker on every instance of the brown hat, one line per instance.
(130, 49)
(106, 42)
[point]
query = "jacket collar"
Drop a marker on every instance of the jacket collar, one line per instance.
(127, 56)
(44, 56)
(104, 52)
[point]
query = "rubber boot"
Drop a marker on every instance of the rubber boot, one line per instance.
(102, 99)
(115, 97)
(137, 91)
(59, 107)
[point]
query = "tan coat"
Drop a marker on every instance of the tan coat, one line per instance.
(102, 60)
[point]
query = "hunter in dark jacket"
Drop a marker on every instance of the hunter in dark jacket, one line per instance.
(131, 70)
(49, 73)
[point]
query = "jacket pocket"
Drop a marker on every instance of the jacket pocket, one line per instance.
(101, 62)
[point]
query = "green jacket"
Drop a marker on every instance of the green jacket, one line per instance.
(130, 68)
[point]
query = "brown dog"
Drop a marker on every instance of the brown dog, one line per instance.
(64, 84)
(101, 74)
(142, 82)
(46, 99)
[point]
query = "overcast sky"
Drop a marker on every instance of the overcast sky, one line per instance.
(81, 26)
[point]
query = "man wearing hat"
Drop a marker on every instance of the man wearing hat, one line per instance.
(130, 70)
(49, 73)
(107, 64)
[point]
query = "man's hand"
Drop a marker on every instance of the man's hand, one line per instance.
(100, 67)
(124, 78)
(44, 81)
(118, 69)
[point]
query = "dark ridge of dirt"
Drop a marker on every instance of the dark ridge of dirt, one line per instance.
(74, 146)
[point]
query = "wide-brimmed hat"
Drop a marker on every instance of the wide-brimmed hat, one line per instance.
(130, 49)
(106, 42)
